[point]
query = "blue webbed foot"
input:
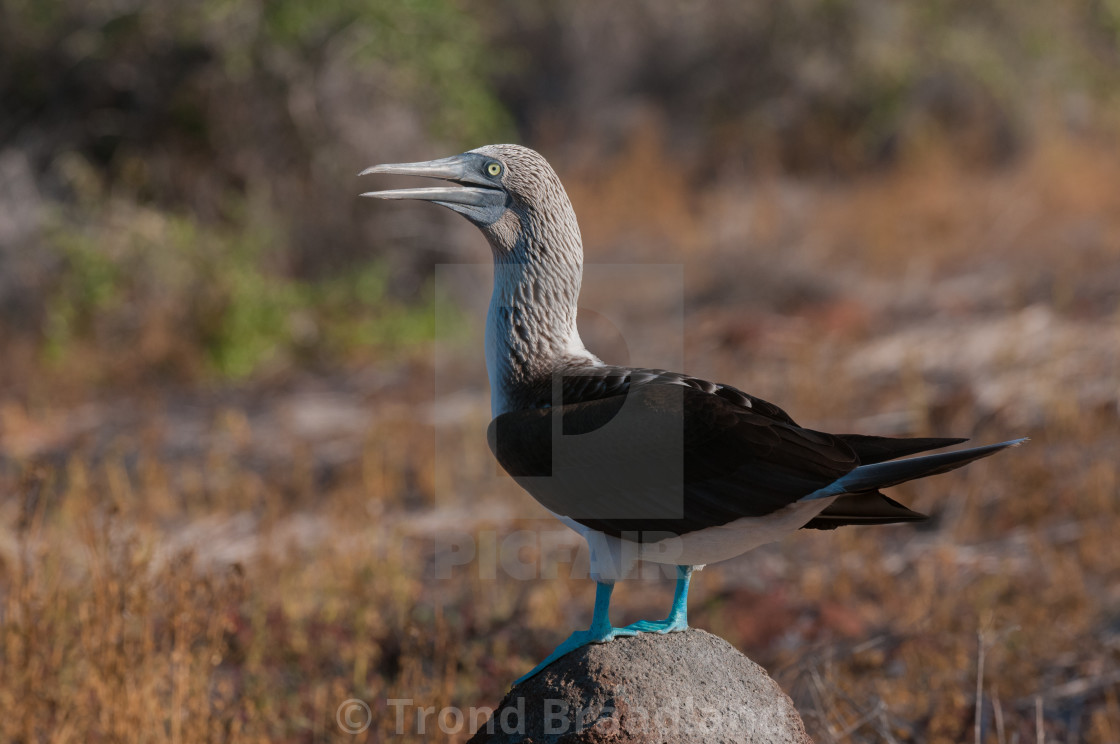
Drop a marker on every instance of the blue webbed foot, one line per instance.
(579, 639)
(668, 625)
(602, 631)
(678, 615)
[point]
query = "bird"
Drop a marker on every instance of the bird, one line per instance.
(645, 464)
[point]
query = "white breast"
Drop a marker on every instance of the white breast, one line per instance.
(613, 558)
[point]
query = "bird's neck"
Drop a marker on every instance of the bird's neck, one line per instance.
(531, 325)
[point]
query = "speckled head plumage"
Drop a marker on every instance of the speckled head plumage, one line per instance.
(509, 192)
(526, 176)
(516, 199)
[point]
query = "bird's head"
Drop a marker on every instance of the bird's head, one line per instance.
(508, 191)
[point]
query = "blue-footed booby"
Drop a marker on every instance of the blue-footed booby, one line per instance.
(646, 464)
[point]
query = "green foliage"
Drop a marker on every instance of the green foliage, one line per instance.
(161, 121)
(248, 322)
(135, 273)
(360, 314)
(268, 318)
(88, 286)
(434, 51)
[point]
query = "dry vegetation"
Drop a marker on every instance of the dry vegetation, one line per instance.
(241, 462)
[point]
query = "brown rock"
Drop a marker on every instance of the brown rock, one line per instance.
(681, 687)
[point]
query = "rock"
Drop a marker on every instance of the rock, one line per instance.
(681, 687)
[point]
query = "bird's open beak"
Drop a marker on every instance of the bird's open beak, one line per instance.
(473, 191)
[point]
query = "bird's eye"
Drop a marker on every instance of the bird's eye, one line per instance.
(494, 169)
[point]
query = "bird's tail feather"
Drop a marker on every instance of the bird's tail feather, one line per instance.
(871, 449)
(886, 474)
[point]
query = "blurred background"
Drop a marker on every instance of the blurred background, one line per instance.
(242, 410)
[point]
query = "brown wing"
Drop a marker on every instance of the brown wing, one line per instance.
(665, 457)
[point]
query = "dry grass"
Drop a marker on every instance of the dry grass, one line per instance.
(234, 565)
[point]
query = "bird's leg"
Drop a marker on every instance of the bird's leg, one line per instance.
(600, 631)
(678, 615)
(601, 614)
